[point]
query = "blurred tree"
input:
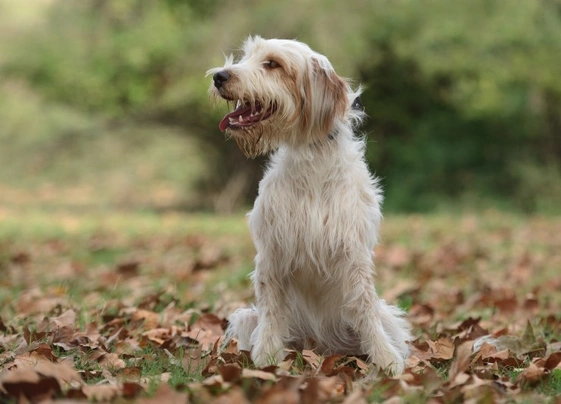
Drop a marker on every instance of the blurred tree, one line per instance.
(473, 93)
(464, 97)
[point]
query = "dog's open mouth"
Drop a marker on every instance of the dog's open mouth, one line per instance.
(245, 115)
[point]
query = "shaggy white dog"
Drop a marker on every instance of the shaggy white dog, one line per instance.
(316, 219)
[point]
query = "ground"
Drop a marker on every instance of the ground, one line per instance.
(131, 305)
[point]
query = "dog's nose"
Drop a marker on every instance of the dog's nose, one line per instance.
(220, 78)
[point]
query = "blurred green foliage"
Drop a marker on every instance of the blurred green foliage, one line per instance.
(464, 97)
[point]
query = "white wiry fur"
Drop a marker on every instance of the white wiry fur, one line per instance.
(316, 219)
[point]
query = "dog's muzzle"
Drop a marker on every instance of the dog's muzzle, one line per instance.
(220, 78)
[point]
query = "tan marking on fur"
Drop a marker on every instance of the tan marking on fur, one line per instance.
(334, 95)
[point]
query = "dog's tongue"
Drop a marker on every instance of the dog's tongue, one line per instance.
(225, 122)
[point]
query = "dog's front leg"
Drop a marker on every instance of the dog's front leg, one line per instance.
(364, 310)
(272, 326)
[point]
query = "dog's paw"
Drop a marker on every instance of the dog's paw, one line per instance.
(267, 351)
(389, 360)
(242, 324)
(396, 367)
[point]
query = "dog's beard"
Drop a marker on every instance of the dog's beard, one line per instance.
(252, 142)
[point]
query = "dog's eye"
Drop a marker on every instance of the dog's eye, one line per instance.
(271, 64)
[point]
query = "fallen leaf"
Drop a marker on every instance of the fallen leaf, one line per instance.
(460, 365)
(286, 391)
(441, 349)
(128, 269)
(258, 374)
(151, 319)
(230, 372)
(209, 322)
(111, 361)
(552, 361)
(66, 319)
(531, 375)
(356, 397)
(163, 395)
(311, 358)
(101, 392)
(329, 363)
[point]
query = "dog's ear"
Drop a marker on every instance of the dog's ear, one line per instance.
(326, 97)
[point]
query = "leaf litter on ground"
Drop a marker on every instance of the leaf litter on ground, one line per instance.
(133, 319)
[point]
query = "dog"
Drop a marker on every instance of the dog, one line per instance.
(316, 218)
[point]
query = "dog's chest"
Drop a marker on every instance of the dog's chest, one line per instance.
(305, 214)
(292, 208)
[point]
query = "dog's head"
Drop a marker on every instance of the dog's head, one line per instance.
(282, 92)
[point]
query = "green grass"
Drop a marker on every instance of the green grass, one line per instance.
(552, 386)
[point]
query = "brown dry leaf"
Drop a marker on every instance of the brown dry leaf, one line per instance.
(361, 368)
(111, 361)
(165, 394)
(231, 347)
(230, 372)
(258, 374)
(101, 392)
(30, 384)
(421, 350)
(311, 358)
(151, 319)
(421, 314)
(486, 350)
(206, 338)
(480, 391)
(130, 373)
(66, 319)
(44, 350)
(461, 363)
(427, 378)
(128, 269)
(286, 391)
(131, 390)
(552, 361)
(235, 395)
(331, 387)
(209, 322)
(356, 397)
(34, 376)
(500, 356)
(320, 390)
(193, 360)
(63, 372)
(441, 349)
(328, 364)
(158, 335)
(214, 381)
(531, 375)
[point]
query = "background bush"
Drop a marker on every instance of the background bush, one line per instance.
(464, 97)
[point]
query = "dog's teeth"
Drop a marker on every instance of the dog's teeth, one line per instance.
(240, 119)
(238, 104)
